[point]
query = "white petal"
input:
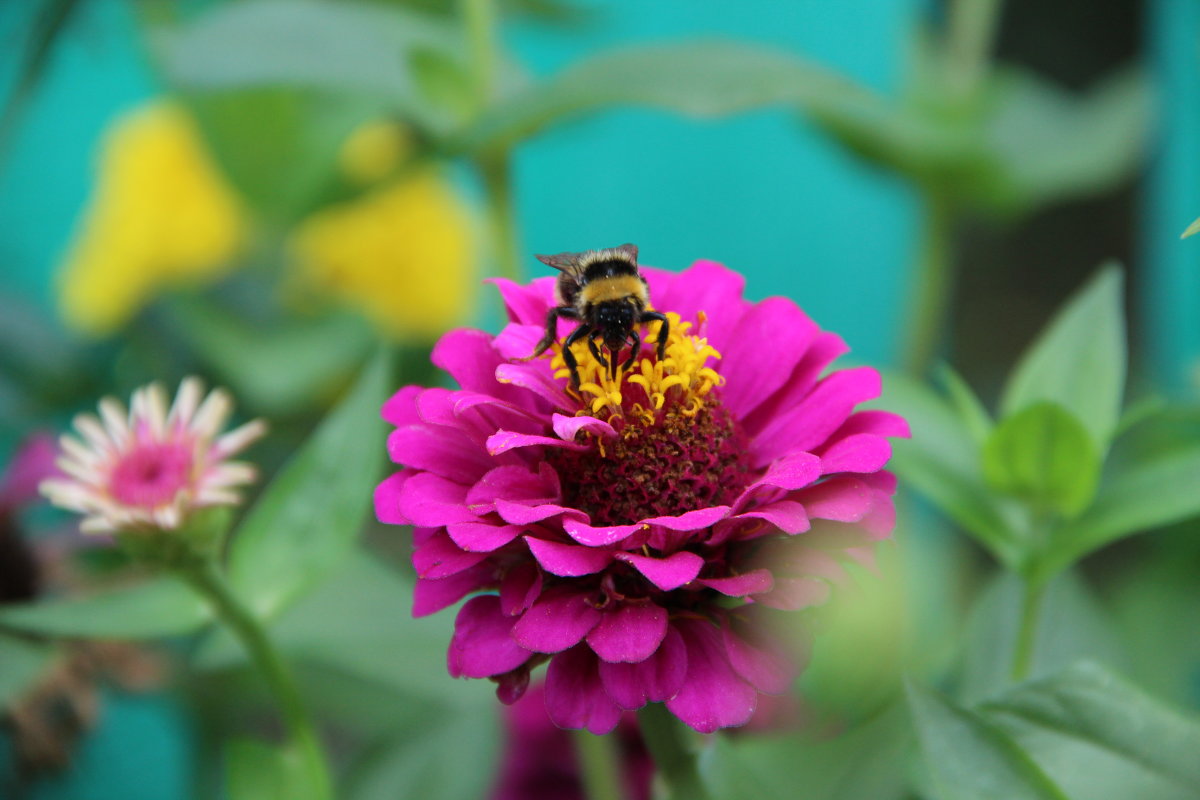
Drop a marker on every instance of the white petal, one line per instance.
(231, 473)
(115, 420)
(213, 412)
(93, 432)
(239, 438)
(186, 401)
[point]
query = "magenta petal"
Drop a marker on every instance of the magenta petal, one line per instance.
(841, 499)
(431, 500)
(861, 452)
(601, 535)
(807, 425)
(766, 668)
(792, 594)
(656, 679)
(521, 586)
(630, 633)
(430, 596)
(880, 423)
(443, 451)
(471, 360)
(559, 619)
(482, 537)
(792, 471)
(713, 695)
(535, 378)
(481, 646)
(513, 483)
(439, 557)
(786, 515)
(518, 341)
(666, 573)
(522, 514)
(575, 697)
(712, 288)
(401, 408)
(526, 303)
(566, 427)
(753, 582)
(568, 560)
(503, 441)
(387, 499)
(752, 372)
(695, 520)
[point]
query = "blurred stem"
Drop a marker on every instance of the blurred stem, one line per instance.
(599, 765)
(667, 739)
(479, 18)
(931, 289)
(205, 578)
(1031, 609)
(502, 216)
(971, 31)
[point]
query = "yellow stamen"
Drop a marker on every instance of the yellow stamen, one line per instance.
(682, 377)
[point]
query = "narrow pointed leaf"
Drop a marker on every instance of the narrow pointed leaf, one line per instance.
(308, 518)
(158, 607)
(1078, 361)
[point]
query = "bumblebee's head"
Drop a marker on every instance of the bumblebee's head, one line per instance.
(615, 320)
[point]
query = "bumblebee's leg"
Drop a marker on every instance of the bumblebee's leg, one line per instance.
(569, 357)
(636, 351)
(567, 312)
(655, 316)
(595, 348)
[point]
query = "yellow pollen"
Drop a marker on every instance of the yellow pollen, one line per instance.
(681, 377)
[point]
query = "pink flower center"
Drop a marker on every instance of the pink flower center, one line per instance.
(679, 463)
(152, 473)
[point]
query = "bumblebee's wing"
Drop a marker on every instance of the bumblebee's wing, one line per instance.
(566, 262)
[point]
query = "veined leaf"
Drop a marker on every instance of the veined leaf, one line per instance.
(972, 759)
(1044, 456)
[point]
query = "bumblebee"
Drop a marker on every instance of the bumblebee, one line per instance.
(604, 291)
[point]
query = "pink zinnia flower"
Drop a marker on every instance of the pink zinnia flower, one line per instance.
(639, 532)
(150, 468)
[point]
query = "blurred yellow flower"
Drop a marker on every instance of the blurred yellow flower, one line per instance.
(374, 150)
(160, 216)
(404, 254)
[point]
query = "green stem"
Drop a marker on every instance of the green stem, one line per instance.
(926, 315)
(479, 18)
(667, 739)
(208, 582)
(971, 30)
(599, 765)
(1031, 608)
(502, 216)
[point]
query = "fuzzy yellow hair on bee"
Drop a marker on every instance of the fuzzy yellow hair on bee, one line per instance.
(604, 291)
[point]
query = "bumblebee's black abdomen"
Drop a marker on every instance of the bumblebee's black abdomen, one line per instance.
(607, 269)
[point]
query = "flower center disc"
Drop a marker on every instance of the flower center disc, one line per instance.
(152, 474)
(677, 447)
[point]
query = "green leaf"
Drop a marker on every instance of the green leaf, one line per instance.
(308, 518)
(972, 759)
(1089, 704)
(970, 410)
(941, 461)
(157, 607)
(448, 757)
(278, 145)
(1078, 361)
(1043, 455)
(23, 661)
(1191, 229)
(699, 78)
(1140, 496)
(1050, 144)
(259, 771)
(259, 44)
(278, 369)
